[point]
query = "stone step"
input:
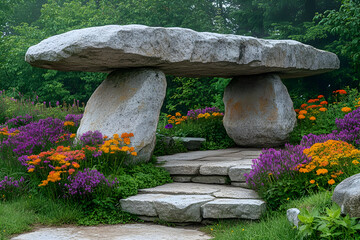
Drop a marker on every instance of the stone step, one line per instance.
(194, 202)
(225, 166)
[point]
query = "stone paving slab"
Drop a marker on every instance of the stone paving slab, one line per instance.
(234, 208)
(194, 155)
(236, 173)
(115, 232)
(220, 191)
(217, 168)
(183, 188)
(210, 179)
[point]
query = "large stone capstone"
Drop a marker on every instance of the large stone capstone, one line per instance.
(258, 111)
(127, 101)
(177, 51)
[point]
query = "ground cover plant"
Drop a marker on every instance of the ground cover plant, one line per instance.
(203, 123)
(41, 161)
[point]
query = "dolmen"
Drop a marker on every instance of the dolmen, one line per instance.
(258, 108)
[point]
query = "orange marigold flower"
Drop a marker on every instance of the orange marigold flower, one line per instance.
(105, 137)
(324, 103)
(313, 100)
(296, 110)
(178, 114)
(177, 123)
(322, 109)
(324, 163)
(355, 162)
(31, 170)
(340, 91)
(312, 181)
(71, 171)
(69, 123)
(44, 183)
(131, 135)
(301, 117)
(346, 109)
(303, 105)
(169, 116)
(333, 176)
(134, 153)
(331, 181)
(75, 164)
(72, 135)
(124, 135)
(303, 112)
(321, 171)
(320, 96)
(312, 118)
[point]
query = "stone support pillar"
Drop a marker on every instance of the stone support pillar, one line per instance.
(258, 111)
(127, 101)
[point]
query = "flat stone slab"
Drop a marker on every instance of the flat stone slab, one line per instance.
(115, 232)
(221, 191)
(196, 155)
(210, 179)
(177, 51)
(236, 173)
(234, 208)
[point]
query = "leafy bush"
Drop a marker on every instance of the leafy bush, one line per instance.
(332, 225)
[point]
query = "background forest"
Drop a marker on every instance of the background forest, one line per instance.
(332, 25)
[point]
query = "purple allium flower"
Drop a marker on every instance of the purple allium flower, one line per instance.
(86, 182)
(92, 138)
(168, 126)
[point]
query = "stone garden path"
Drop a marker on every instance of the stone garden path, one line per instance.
(207, 185)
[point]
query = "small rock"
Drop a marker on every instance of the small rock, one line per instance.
(292, 216)
(347, 195)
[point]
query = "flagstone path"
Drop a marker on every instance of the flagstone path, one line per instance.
(207, 185)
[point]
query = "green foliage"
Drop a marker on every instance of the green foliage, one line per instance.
(283, 190)
(329, 226)
(104, 211)
(126, 187)
(166, 146)
(192, 93)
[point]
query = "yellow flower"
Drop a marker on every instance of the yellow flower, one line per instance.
(312, 118)
(312, 181)
(346, 109)
(355, 162)
(301, 116)
(331, 181)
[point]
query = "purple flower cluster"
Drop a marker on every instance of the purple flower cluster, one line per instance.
(308, 140)
(19, 121)
(76, 118)
(194, 113)
(349, 127)
(92, 138)
(87, 182)
(9, 184)
(36, 136)
(275, 163)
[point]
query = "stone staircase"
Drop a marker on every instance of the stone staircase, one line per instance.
(207, 185)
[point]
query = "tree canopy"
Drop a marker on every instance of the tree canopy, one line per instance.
(326, 24)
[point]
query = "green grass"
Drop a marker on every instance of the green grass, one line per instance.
(20, 215)
(274, 225)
